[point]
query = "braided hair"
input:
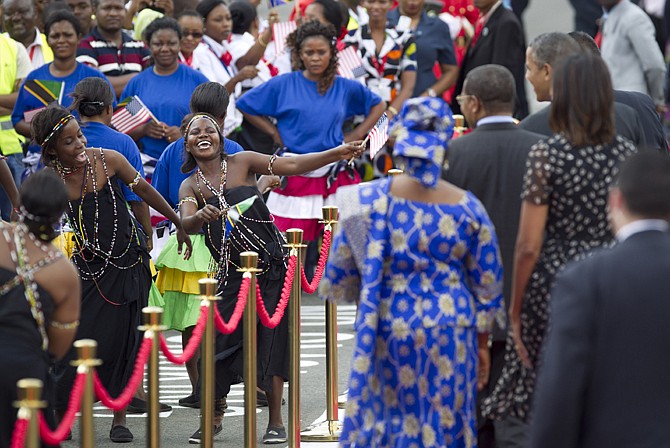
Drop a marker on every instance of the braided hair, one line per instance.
(42, 130)
(296, 40)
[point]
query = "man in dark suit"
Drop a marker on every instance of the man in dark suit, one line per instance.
(498, 39)
(653, 135)
(604, 378)
(543, 54)
(491, 162)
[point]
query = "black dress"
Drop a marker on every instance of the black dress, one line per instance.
(21, 353)
(114, 289)
(254, 232)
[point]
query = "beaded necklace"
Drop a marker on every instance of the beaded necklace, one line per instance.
(91, 244)
(25, 272)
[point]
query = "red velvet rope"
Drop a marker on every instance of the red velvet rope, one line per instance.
(310, 288)
(228, 328)
(272, 322)
(20, 431)
(122, 401)
(192, 344)
(58, 435)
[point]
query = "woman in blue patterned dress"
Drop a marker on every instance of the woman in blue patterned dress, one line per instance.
(428, 295)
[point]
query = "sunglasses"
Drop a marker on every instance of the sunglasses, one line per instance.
(194, 34)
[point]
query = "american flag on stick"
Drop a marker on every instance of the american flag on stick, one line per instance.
(351, 64)
(280, 32)
(378, 135)
(130, 114)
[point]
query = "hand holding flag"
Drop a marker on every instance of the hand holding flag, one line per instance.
(378, 136)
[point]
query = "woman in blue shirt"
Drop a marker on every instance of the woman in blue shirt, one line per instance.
(164, 88)
(310, 106)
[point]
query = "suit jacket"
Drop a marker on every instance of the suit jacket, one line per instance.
(653, 135)
(491, 162)
(501, 42)
(604, 380)
(627, 122)
(630, 50)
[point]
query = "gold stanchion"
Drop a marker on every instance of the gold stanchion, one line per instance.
(342, 399)
(86, 352)
(29, 393)
(294, 239)
(394, 172)
(152, 322)
(207, 291)
(459, 125)
(330, 429)
(249, 262)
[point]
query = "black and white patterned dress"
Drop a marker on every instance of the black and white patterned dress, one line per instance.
(574, 183)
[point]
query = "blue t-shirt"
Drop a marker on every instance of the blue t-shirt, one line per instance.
(26, 101)
(167, 97)
(167, 177)
(433, 44)
(308, 121)
(102, 136)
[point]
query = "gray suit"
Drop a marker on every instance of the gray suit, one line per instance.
(630, 50)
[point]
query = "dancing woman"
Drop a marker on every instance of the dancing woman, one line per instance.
(110, 253)
(220, 181)
(39, 294)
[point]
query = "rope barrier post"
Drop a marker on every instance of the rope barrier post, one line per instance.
(330, 429)
(29, 394)
(152, 322)
(294, 239)
(249, 262)
(207, 291)
(86, 359)
(394, 172)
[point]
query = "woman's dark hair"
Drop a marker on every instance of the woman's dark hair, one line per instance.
(189, 161)
(188, 13)
(582, 107)
(206, 6)
(42, 125)
(210, 98)
(44, 198)
(332, 11)
(296, 39)
(63, 15)
(91, 97)
(163, 23)
(243, 15)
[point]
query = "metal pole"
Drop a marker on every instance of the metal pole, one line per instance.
(249, 262)
(331, 428)
(207, 291)
(294, 239)
(29, 394)
(86, 352)
(152, 322)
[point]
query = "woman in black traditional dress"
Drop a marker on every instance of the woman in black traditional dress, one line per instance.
(110, 251)
(219, 182)
(39, 294)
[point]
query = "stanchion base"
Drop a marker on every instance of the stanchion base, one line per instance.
(327, 431)
(342, 399)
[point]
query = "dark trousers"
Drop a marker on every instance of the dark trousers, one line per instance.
(485, 430)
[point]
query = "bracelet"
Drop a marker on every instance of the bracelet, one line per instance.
(65, 326)
(272, 161)
(188, 199)
(393, 110)
(260, 41)
(135, 181)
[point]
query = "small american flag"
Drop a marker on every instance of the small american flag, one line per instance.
(378, 135)
(131, 113)
(351, 64)
(280, 32)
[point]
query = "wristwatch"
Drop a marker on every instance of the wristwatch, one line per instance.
(431, 92)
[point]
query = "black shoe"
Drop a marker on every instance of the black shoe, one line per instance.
(275, 434)
(139, 406)
(262, 400)
(120, 434)
(192, 401)
(195, 438)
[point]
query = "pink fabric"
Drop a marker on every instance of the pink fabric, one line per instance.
(299, 186)
(311, 228)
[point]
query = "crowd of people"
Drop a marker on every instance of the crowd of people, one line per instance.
(472, 327)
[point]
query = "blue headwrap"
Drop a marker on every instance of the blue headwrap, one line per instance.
(423, 128)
